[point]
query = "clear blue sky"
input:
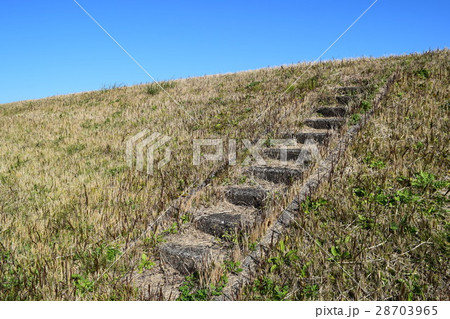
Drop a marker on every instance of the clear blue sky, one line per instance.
(51, 47)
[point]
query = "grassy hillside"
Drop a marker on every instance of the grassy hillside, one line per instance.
(70, 206)
(379, 229)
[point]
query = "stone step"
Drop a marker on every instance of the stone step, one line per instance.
(332, 111)
(346, 99)
(328, 123)
(246, 196)
(349, 90)
(310, 136)
(282, 142)
(185, 258)
(275, 174)
(220, 224)
(187, 253)
(303, 156)
(291, 153)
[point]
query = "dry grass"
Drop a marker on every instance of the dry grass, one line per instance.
(379, 229)
(69, 205)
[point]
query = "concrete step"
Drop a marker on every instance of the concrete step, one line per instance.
(185, 258)
(328, 123)
(349, 90)
(291, 153)
(276, 174)
(303, 155)
(346, 99)
(332, 111)
(220, 224)
(310, 136)
(246, 196)
(188, 253)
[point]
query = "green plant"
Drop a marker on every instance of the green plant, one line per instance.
(154, 239)
(82, 284)
(231, 237)
(308, 84)
(154, 88)
(419, 146)
(75, 148)
(304, 270)
(311, 291)
(185, 218)
(265, 288)
(338, 254)
(173, 228)
(414, 287)
(313, 206)
(339, 251)
(110, 87)
(423, 73)
(355, 118)
(366, 105)
(423, 180)
(242, 179)
(445, 106)
(145, 263)
(284, 257)
(254, 86)
(190, 290)
(112, 253)
(232, 266)
(374, 162)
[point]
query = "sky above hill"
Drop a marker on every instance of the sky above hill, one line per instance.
(52, 47)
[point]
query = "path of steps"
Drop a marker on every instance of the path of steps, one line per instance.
(197, 247)
(210, 238)
(323, 171)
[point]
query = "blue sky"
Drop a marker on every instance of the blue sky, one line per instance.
(52, 47)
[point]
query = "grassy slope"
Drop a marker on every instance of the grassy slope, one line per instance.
(68, 202)
(379, 230)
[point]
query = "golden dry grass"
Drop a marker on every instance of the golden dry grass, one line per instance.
(69, 205)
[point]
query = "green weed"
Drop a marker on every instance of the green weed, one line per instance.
(145, 263)
(190, 290)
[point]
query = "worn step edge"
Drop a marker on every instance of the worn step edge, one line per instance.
(332, 111)
(303, 155)
(346, 99)
(277, 175)
(310, 136)
(188, 254)
(246, 196)
(224, 224)
(328, 123)
(349, 90)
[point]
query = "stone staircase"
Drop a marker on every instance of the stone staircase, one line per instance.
(201, 243)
